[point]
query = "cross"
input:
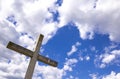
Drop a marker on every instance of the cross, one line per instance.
(34, 56)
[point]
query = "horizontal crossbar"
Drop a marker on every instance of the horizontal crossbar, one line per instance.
(20, 49)
(29, 53)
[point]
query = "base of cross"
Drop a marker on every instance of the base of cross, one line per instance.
(34, 56)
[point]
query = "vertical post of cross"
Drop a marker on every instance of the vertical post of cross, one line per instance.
(33, 60)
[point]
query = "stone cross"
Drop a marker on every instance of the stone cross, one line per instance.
(34, 56)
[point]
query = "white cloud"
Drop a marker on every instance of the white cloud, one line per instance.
(108, 58)
(48, 72)
(25, 40)
(87, 58)
(93, 76)
(14, 68)
(73, 49)
(30, 16)
(81, 58)
(8, 33)
(84, 58)
(78, 44)
(103, 19)
(17, 66)
(113, 75)
(103, 65)
(69, 63)
(116, 52)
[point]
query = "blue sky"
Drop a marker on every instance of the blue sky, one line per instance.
(81, 35)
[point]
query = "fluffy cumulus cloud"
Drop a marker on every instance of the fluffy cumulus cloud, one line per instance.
(14, 68)
(113, 75)
(92, 16)
(7, 34)
(48, 72)
(107, 58)
(21, 22)
(68, 65)
(28, 17)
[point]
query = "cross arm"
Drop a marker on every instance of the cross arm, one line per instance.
(47, 61)
(29, 53)
(19, 49)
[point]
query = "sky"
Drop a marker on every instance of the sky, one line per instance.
(81, 35)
